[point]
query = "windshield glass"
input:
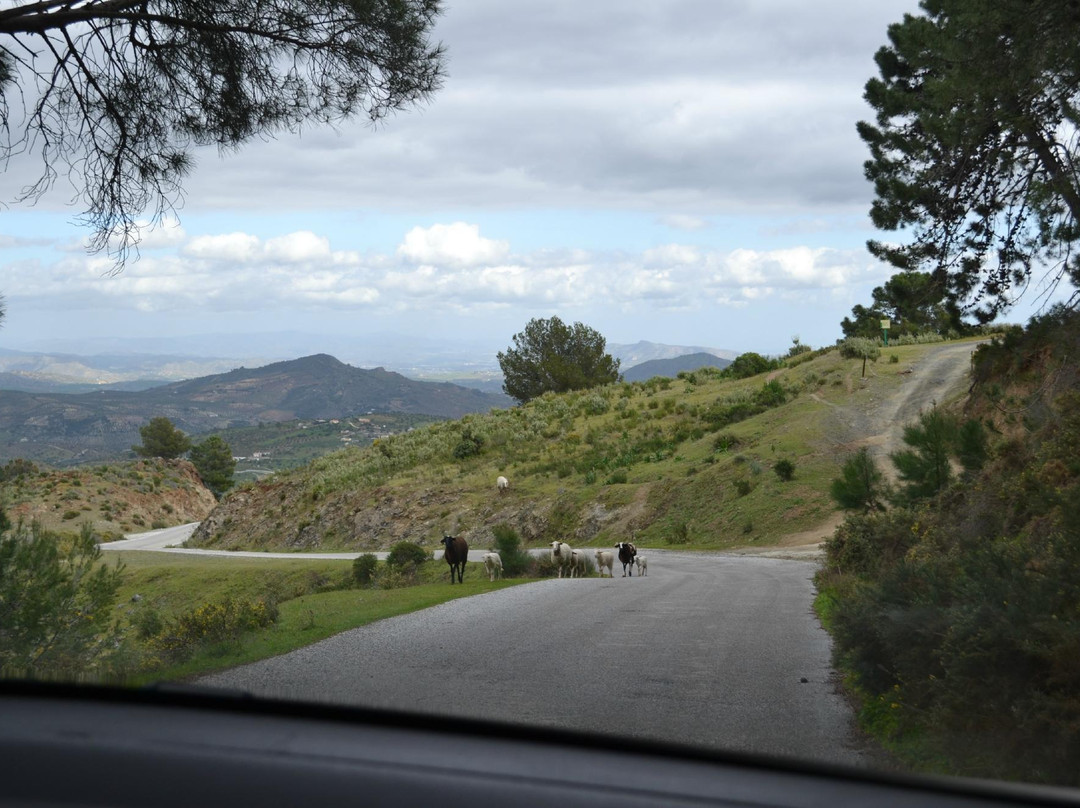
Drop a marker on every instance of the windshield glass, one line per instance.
(691, 371)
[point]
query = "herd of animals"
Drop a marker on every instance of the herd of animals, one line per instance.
(565, 558)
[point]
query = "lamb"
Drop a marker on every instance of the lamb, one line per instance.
(561, 555)
(456, 554)
(627, 551)
(493, 564)
(642, 565)
(578, 564)
(502, 484)
(605, 559)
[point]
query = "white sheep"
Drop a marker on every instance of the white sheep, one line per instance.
(578, 563)
(561, 555)
(493, 564)
(605, 559)
(502, 484)
(642, 565)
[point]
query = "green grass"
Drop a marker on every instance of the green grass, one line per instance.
(315, 617)
(312, 606)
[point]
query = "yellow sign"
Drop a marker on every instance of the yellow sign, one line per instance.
(885, 324)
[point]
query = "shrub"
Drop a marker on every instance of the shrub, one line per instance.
(784, 469)
(680, 533)
(617, 477)
(860, 484)
(363, 568)
(725, 441)
(515, 560)
(742, 487)
(213, 622)
(406, 556)
(69, 515)
(56, 602)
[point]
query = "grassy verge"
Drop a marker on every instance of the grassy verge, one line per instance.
(312, 598)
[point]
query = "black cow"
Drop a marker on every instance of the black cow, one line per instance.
(627, 551)
(456, 554)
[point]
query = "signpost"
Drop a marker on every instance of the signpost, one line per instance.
(885, 332)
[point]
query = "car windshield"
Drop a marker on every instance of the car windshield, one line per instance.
(700, 372)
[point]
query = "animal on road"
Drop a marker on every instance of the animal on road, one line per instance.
(578, 563)
(456, 554)
(493, 565)
(502, 484)
(627, 551)
(642, 564)
(561, 555)
(605, 559)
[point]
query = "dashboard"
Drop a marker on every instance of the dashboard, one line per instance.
(69, 746)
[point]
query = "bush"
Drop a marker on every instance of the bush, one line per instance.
(55, 602)
(860, 484)
(406, 556)
(515, 560)
(211, 623)
(725, 441)
(363, 568)
(784, 469)
(680, 533)
(742, 487)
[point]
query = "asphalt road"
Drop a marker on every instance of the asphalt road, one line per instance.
(709, 650)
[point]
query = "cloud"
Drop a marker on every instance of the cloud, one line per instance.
(683, 221)
(236, 247)
(457, 244)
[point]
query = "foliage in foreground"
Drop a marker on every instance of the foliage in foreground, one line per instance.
(56, 600)
(959, 616)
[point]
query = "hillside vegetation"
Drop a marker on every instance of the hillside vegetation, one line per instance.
(113, 499)
(957, 616)
(687, 462)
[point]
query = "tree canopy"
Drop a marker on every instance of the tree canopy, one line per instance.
(975, 146)
(115, 93)
(162, 439)
(913, 303)
(550, 356)
(213, 460)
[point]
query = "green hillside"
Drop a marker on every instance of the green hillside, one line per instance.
(687, 462)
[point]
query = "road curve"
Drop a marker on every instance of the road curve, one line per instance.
(717, 651)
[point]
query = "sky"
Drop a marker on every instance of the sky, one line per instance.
(684, 172)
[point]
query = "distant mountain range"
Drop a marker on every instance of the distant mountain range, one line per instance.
(673, 367)
(115, 365)
(66, 428)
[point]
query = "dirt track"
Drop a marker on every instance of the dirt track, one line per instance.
(879, 423)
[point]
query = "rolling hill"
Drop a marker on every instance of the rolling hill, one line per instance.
(672, 367)
(64, 429)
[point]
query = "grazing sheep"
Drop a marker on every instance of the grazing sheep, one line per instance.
(493, 564)
(605, 559)
(627, 551)
(502, 484)
(456, 554)
(642, 565)
(578, 563)
(561, 555)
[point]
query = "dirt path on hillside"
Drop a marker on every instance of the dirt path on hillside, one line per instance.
(878, 423)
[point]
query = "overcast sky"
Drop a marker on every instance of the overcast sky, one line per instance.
(679, 171)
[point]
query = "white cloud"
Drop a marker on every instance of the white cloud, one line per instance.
(683, 221)
(297, 248)
(236, 247)
(458, 244)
